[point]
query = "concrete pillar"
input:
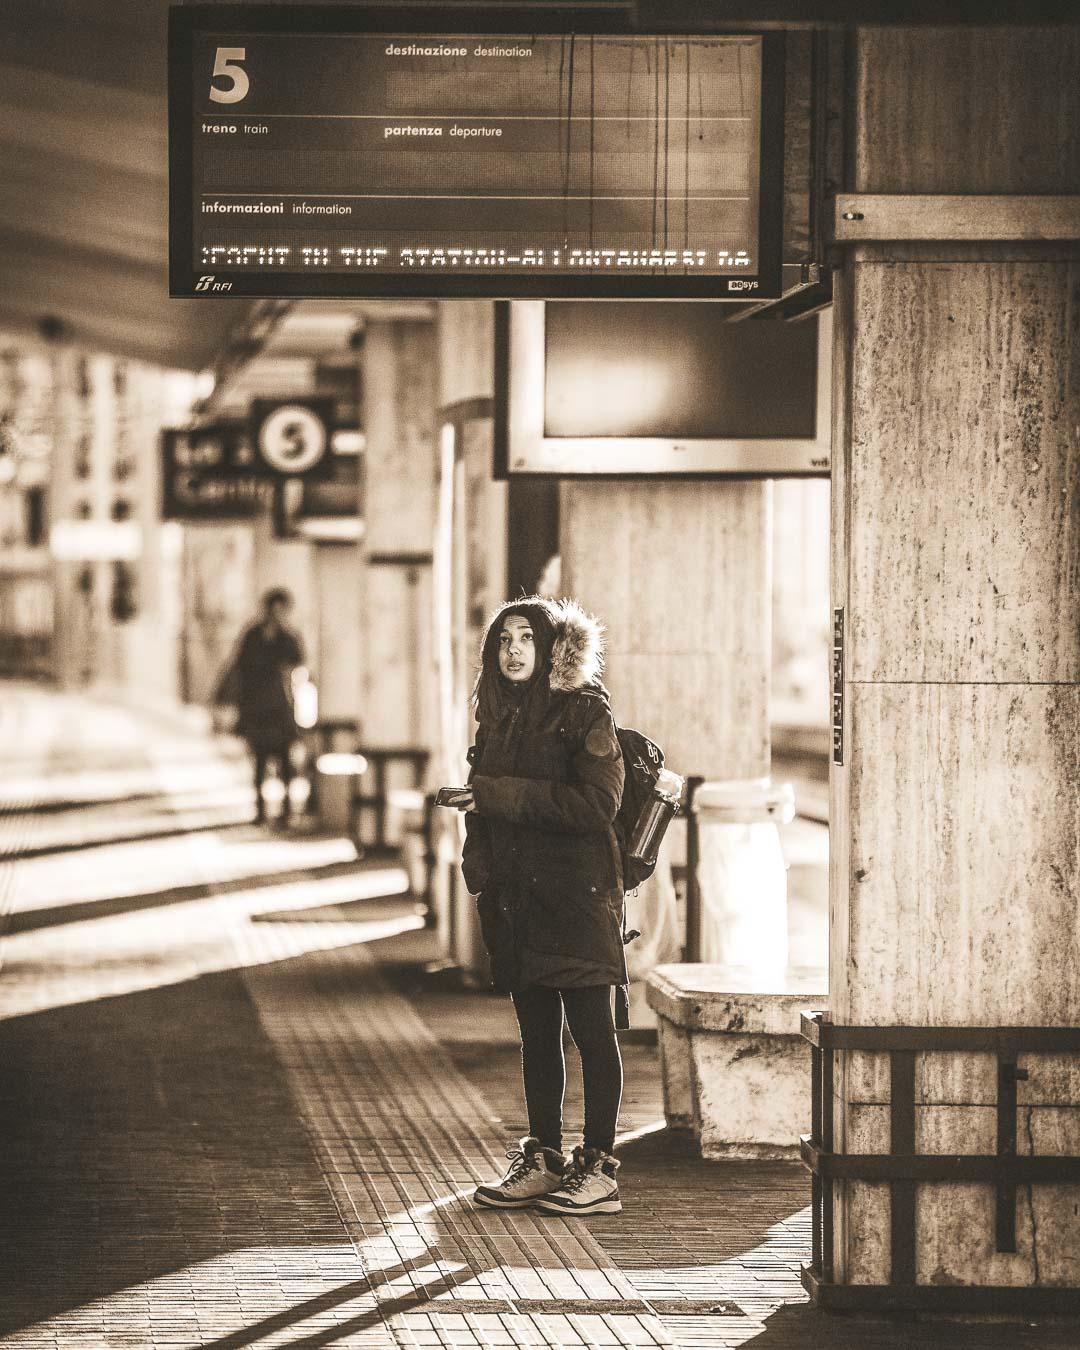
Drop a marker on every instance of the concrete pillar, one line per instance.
(87, 650)
(956, 527)
(336, 658)
(680, 575)
(470, 579)
(71, 623)
(149, 673)
(466, 344)
(218, 599)
(398, 493)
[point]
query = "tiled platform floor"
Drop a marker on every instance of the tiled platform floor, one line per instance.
(231, 1116)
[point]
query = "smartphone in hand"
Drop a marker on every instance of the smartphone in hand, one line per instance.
(452, 796)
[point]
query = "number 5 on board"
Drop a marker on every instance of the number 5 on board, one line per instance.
(225, 64)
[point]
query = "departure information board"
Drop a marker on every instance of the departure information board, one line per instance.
(314, 152)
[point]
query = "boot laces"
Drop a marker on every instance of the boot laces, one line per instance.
(580, 1171)
(576, 1180)
(521, 1164)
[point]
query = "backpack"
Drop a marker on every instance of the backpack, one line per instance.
(642, 762)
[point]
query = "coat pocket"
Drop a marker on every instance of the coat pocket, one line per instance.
(494, 929)
(498, 935)
(560, 921)
(552, 926)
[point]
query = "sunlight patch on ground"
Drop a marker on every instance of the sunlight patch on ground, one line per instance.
(628, 1136)
(67, 831)
(96, 786)
(120, 954)
(117, 871)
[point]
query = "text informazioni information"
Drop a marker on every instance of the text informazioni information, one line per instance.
(361, 155)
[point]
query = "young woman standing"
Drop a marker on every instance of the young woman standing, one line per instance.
(542, 858)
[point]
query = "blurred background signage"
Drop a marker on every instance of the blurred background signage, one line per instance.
(286, 456)
(211, 473)
(318, 153)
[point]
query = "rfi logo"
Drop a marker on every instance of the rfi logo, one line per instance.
(207, 283)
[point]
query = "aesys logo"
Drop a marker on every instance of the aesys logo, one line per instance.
(211, 283)
(737, 285)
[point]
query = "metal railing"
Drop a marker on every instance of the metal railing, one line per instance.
(904, 1170)
(377, 799)
(356, 764)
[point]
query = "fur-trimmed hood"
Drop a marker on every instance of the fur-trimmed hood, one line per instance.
(577, 654)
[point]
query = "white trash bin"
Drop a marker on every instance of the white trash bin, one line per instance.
(741, 873)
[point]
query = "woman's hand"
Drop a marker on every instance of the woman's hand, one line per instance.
(467, 803)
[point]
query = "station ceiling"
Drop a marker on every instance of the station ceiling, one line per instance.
(84, 173)
(84, 169)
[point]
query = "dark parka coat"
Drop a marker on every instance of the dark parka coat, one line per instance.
(541, 852)
(257, 681)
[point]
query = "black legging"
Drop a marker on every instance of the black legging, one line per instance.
(588, 1014)
(262, 754)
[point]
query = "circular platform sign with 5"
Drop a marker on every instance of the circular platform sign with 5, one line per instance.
(292, 438)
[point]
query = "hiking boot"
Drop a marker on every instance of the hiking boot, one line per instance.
(534, 1171)
(589, 1186)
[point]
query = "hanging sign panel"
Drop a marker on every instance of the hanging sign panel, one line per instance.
(211, 473)
(292, 436)
(337, 152)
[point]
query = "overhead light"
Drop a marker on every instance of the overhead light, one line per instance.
(330, 529)
(95, 540)
(347, 442)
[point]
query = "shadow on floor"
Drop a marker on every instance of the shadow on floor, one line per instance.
(142, 1135)
(801, 1327)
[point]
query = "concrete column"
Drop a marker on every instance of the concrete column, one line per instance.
(956, 526)
(466, 344)
(398, 493)
(336, 659)
(471, 582)
(149, 673)
(71, 608)
(79, 490)
(680, 575)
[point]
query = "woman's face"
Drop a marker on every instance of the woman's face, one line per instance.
(517, 651)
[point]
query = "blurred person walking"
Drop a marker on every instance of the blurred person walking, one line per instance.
(260, 681)
(542, 857)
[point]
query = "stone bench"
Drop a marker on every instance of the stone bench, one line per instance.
(736, 1071)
